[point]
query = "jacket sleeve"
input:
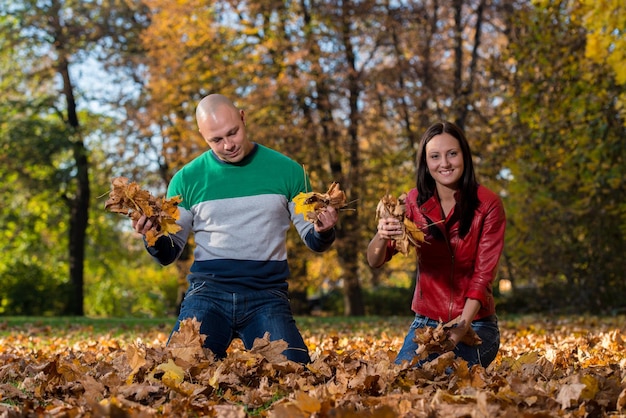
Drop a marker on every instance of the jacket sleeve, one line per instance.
(490, 245)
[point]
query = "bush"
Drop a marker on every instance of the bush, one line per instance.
(380, 301)
(146, 292)
(28, 289)
(388, 301)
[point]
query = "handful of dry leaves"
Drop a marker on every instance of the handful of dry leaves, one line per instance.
(312, 203)
(437, 340)
(128, 199)
(389, 206)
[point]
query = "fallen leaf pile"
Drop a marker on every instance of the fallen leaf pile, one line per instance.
(565, 367)
(412, 236)
(128, 199)
(312, 203)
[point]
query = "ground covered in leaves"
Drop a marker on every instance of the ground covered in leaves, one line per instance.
(558, 367)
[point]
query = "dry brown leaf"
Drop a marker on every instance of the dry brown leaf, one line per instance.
(272, 351)
(136, 357)
(186, 344)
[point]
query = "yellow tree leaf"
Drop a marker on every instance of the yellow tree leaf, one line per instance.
(173, 374)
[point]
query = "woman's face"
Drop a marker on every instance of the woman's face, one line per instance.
(444, 160)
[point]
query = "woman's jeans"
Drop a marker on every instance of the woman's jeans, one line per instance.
(245, 315)
(483, 354)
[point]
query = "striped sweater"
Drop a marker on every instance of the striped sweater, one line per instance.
(239, 215)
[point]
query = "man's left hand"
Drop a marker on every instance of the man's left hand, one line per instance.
(326, 219)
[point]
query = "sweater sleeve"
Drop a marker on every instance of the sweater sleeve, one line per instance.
(168, 248)
(319, 242)
(165, 250)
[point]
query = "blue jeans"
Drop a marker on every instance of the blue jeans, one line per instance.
(245, 315)
(482, 354)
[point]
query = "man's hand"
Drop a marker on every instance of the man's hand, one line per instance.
(326, 219)
(142, 225)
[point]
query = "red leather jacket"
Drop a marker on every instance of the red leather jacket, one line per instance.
(453, 269)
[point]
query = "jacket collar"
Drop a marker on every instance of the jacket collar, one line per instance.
(432, 207)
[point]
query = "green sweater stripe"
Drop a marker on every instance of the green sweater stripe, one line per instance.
(250, 177)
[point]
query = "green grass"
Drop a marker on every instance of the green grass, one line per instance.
(125, 326)
(108, 323)
(81, 327)
(113, 326)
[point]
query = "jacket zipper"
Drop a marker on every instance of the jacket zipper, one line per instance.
(451, 301)
(451, 281)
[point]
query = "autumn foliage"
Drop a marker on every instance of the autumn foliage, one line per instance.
(565, 367)
(127, 198)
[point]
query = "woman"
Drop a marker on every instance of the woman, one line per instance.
(464, 225)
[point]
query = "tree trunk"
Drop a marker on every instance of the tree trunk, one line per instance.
(79, 202)
(351, 227)
(79, 210)
(464, 91)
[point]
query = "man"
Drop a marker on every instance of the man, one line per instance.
(237, 201)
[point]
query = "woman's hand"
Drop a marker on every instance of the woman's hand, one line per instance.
(456, 334)
(388, 228)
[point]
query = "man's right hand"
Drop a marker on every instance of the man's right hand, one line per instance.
(142, 225)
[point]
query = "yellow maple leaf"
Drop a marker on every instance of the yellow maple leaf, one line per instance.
(151, 237)
(173, 374)
(301, 205)
(169, 226)
(169, 207)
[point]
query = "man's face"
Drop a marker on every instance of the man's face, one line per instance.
(225, 132)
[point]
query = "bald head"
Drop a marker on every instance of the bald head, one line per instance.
(211, 104)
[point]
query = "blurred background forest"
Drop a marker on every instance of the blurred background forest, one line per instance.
(95, 89)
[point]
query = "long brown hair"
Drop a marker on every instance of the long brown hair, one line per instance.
(468, 186)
